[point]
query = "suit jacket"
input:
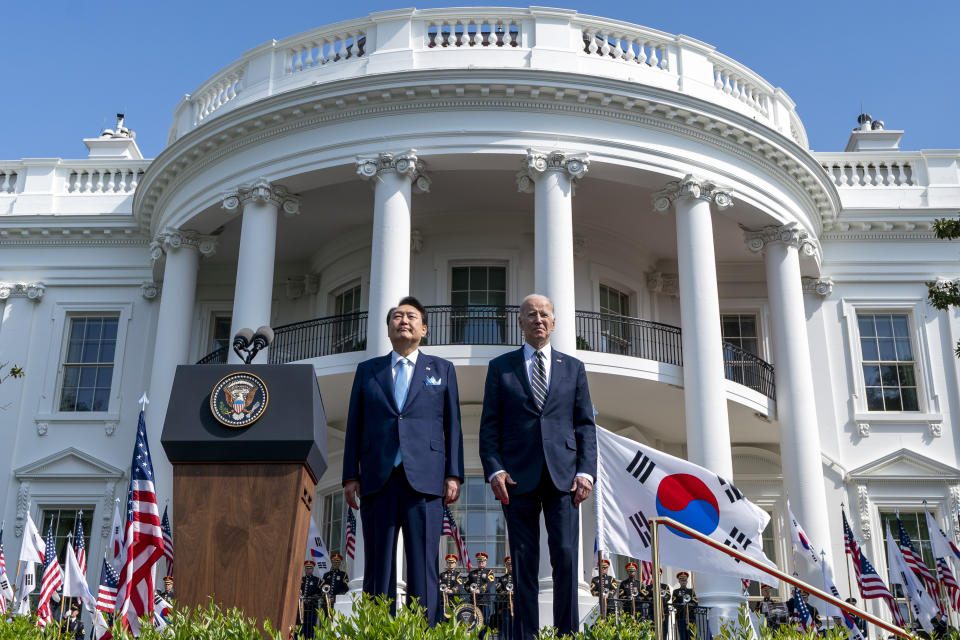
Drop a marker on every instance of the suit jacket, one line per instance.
(426, 429)
(517, 437)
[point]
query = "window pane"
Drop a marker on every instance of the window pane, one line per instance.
(478, 297)
(74, 351)
(90, 352)
(498, 278)
(909, 396)
(110, 328)
(497, 298)
(900, 327)
(750, 344)
(460, 279)
(94, 326)
(874, 399)
(904, 350)
(71, 376)
(871, 375)
(101, 399)
(748, 325)
(884, 325)
(478, 278)
(888, 376)
(868, 349)
(891, 400)
(88, 376)
(104, 377)
(906, 376)
(458, 298)
(865, 322)
(887, 350)
(85, 400)
(68, 401)
(107, 351)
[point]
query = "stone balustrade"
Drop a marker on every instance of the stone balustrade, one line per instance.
(881, 172)
(535, 38)
(50, 186)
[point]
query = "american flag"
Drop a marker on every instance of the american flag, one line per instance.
(450, 529)
(143, 537)
(351, 543)
(915, 562)
(107, 594)
(80, 546)
(51, 581)
(167, 541)
(852, 548)
(872, 586)
(5, 590)
(646, 572)
(800, 611)
(949, 582)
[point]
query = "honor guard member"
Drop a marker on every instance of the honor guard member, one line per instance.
(665, 596)
(309, 600)
(167, 593)
(451, 582)
(336, 579)
(684, 599)
(483, 578)
(605, 588)
(72, 628)
(631, 590)
(505, 582)
(505, 587)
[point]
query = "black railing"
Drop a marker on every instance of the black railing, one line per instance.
(609, 333)
(473, 324)
(319, 337)
(497, 325)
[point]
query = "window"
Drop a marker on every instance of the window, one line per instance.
(615, 335)
(64, 522)
(478, 295)
(888, 363)
(348, 332)
(221, 337)
(481, 523)
(768, 542)
(915, 524)
(741, 329)
(334, 522)
(88, 363)
(613, 301)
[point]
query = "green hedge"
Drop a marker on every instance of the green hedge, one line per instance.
(371, 620)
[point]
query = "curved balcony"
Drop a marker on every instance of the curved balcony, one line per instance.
(536, 38)
(496, 325)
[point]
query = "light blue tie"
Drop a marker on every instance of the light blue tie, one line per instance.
(401, 385)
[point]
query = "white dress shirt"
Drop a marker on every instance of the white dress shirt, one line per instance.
(395, 358)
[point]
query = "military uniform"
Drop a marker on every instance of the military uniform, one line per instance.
(631, 590)
(485, 580)
(684, 599)
(605, 587)
(336, 579)
(451, 581)
(167, 593)
(505, 586)
(310, 600)
(72, 628)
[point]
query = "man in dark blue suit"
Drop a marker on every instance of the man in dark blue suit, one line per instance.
(538, 447)
(403, 457)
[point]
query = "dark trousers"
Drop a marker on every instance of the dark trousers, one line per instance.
(397, 506)
(563, 539)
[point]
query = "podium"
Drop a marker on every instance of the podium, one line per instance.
(248, 445)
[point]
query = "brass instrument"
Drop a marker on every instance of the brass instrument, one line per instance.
(634, 592)
(510, 596)
(326, 596)
(686, 598)
(665, 592)
(446, 602)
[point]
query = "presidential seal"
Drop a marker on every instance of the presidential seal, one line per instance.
(239, 399)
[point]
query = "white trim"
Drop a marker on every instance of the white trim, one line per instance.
(601, 274)
(48, 410)
(927, 399)
(761, 308)
(204, 325)
(444, 262)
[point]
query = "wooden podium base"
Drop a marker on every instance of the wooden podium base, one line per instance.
(241, 534)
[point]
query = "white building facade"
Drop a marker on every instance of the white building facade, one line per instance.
(738, 299)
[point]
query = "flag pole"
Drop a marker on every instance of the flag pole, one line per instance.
(655, 561)
(847, 555)
(65, 602)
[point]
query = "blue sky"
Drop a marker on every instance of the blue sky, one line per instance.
(70, 66)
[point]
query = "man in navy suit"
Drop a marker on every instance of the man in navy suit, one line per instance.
(538, 447)
(403, 457)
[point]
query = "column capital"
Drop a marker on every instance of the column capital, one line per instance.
(262, 191)
(790, 234)
(692, 187)
(821, 286)
(665, 283)
(406, 164)
(538, 162)
(29, 290)
(176, 238)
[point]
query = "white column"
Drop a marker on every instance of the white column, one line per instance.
(551, 176)
(174, 327)
(393, 176)
(705, 400)
(253, 295)
(796, 409)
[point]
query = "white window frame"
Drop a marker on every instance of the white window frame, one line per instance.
(758, 308)
(639, 306)
(49, 410)
(444, 263)
(350, 283)
(341, 284)
(928, 401)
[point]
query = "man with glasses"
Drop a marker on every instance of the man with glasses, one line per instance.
(403, 457)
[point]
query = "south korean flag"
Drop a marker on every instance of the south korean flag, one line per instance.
(636, 483)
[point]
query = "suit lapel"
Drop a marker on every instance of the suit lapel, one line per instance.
(558, 373)
(385, 378)
(521, 372)
(419, 376)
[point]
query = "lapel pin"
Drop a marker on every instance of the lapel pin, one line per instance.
(559, 360)
(427, 368)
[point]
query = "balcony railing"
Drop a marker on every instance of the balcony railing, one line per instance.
(497, 325)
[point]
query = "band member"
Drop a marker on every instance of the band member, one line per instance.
(403, 458)
(814, 613)
(167, 593)
(631, 590)
(857, 620)
(665, 596)
(538, 446)
(505, 587)
(482, 580)
(605, 588)
(451, 582)
(684, 599)
(72, 627)
(505, 582)
(309, 600)
(333, 583)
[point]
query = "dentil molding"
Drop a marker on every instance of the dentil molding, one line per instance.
(29, 290)
(175, 238)
(262, 191)
(406, 164)
(692, 187)
(537, 163)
